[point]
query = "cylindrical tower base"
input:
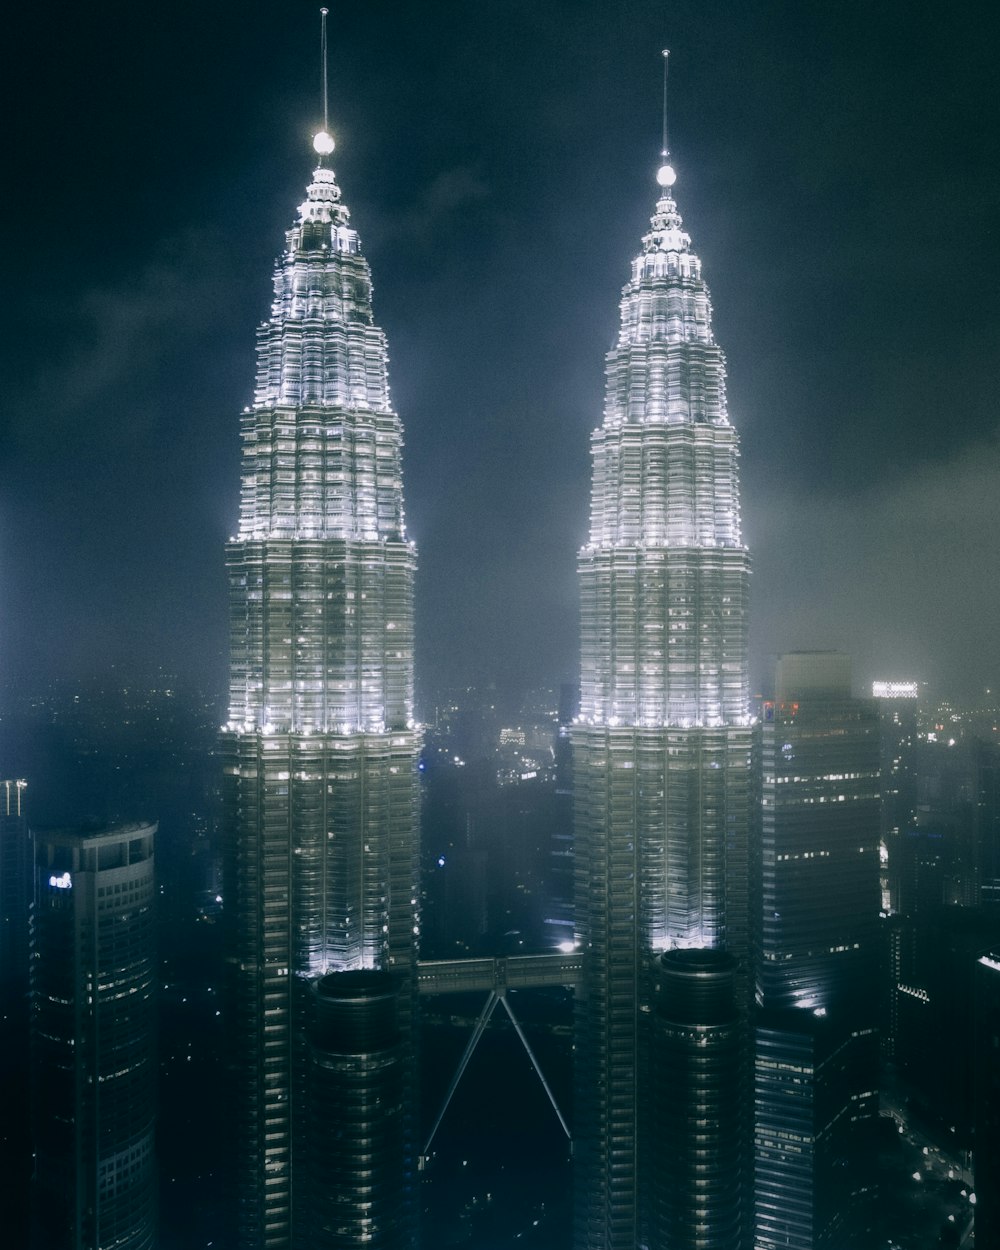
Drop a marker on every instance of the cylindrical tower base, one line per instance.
(357, 1189)
(696, 1127)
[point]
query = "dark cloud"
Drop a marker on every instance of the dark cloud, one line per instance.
(430, 216)
(904, 575)
(106, 346)
(839, 174)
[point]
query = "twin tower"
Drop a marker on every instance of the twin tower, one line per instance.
(321, 751)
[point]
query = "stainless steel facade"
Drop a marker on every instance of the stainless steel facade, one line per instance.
(662, 743)
(320, 746)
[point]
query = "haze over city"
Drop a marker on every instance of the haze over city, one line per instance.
(837, 164)
(555, 873)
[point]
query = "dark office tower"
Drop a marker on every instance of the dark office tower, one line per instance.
(559, 921)
(15, 890)
(938, 1017)
(987, 823)
(661, 746)
(355, 1134)
(987, 1070)
(816, 921)
(696, 1152)
(815, 935)
(15, 902)
(808, 1072)
(320, 747)
(898, 704)
(93, 1040)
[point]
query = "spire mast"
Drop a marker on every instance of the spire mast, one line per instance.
(665, 175)
(322, 54)
(666, 61)
(323, 140)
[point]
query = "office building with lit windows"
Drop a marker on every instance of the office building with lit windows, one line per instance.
(662, 743)
(320, 746)
(93, 1054)
(816, 899)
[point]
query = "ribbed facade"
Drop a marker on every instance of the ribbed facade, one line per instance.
(662, 744)
(320, 746)
(93, 1052)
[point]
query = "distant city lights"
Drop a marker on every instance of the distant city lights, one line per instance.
(895, 689)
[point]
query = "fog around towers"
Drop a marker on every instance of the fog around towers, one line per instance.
(842, 170)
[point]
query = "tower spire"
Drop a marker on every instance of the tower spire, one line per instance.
(323, 140)
(665, 152)
(665, 175)
(322, 53)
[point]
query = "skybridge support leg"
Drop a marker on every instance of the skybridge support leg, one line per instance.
(480, 1028)
(534, 1063)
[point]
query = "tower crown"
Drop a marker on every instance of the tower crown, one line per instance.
(322, 526)
(665, 455)
(322, 446)
(665, 568)
(322, 202)
(666, 233)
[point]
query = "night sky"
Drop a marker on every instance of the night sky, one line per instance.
(837, 169)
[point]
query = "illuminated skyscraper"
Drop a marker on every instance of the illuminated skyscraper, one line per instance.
(320, 745)
(662, 744)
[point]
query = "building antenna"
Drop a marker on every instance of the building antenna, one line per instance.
(665, 175)
(323, 141)
(322, 55)
(666, 61)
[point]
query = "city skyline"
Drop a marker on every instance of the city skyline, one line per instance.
(502, 161)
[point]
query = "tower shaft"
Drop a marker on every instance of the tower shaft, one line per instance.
(320, 747)
(662, 744)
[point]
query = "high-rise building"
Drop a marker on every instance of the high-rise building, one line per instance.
(987, 823)
(93, 971)
(559, 903)
(898, 705)
(16, 889)
(320, 745)
(816, 899)
(662, 743)
(808, 1073)
(987, 1076)
(937, 1017)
